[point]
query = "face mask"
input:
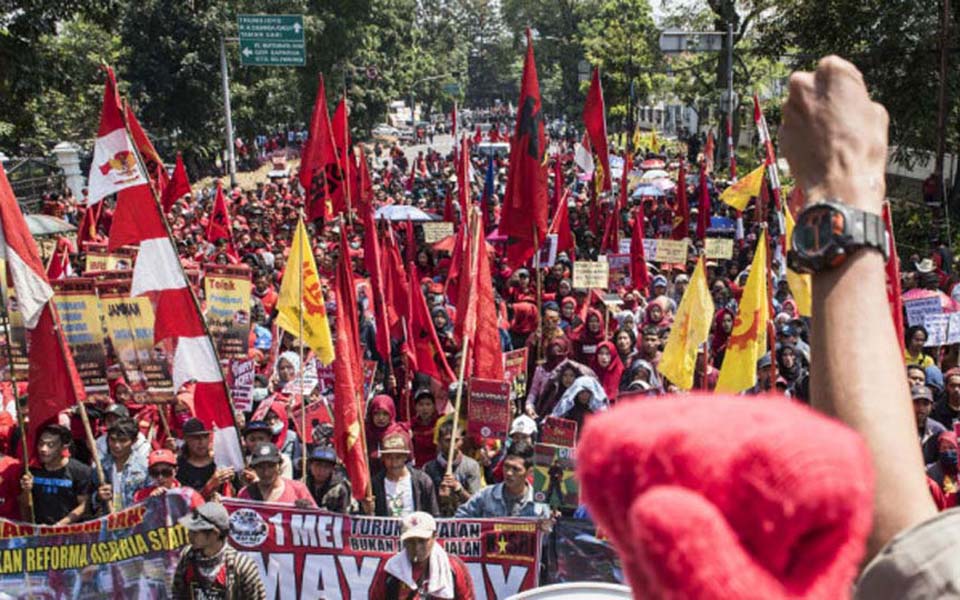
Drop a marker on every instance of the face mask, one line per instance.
(438, 299)
(948, 458)
(259, 394)
(277, 427)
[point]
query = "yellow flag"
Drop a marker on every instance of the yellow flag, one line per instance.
(637, 138)
(748, 340)
(739, 193)
(316, 326)
(800, 284)
(691, 327)
(654, 146)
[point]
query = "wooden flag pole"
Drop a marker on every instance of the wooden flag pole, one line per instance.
(536, 264)
(21, 422)
(303, 399)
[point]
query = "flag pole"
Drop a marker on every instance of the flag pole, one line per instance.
(536, 263)
(303, 400)
(474, 238)
(347, 158)
(21, 422)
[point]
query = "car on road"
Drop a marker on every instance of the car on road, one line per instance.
(384, 131)
(486, 149)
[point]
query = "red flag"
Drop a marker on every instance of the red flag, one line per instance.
(364, 193)
(320, 173)
(463, 179)
(151, 160)
(524, 213)
(218, 227)
(348, 421)
(448, 207)
(703, 208)
(59, 266)
(594, 120)
(638, 260)
(560, 225)
(430, 357)
(178, 187)
(681, 216)
(411, 247)
(893, 277)
(87, 232)
(348, 166)
(708, 151)
(53, 383)
(487, 361)
(373, 264)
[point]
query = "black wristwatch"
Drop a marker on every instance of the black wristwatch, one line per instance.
(829, 231)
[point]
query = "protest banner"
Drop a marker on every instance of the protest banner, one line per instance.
(548, 253)
(619, 265)
(578, 552)
(515, 372)
(553, 476)
(79, 310)
(489, 410)
(242, 374)
(590, 275)
(318, 414)
(122, 259)
(558, 432)
(18, 333)
(300, 553)
(718, 248)
(324, 376)
(129, 325)
(227, 291)
(918, 308)
(671, 251)
(436, 231)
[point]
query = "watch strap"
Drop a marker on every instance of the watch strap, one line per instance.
(867, 230)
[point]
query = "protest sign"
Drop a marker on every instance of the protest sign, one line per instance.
(129, 325)
(436, 231)
(324, 376)
(120, 260)
(619, 265)
(515, 372)
(227, 291)
(590, 275)
(671, 251)
(299, 553)
(719, 248)
(558, 432)
(548, 253)
(242, 373)
(318, 414)
(942, 329)
(79, 310)
(310, 381)
(553, 480)
(489, 410)
(918, 308)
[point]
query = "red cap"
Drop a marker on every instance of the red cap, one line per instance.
(162, 456)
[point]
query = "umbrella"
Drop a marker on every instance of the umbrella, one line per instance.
(402, 212)
(947, 303)
(652, 163)
(664, 184)
(45, 225)
(650, 175)
(647, 190)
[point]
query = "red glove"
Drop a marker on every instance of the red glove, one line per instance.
(715, 497)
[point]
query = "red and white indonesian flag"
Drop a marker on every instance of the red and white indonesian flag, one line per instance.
(114, 165)
(20, 251)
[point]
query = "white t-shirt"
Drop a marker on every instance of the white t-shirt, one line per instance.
(399, 496)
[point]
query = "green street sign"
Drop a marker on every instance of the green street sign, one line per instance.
(271, 40)
(452, 89)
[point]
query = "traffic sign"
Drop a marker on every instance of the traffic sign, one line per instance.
(452, 89)
(677, 42)
(271, 40)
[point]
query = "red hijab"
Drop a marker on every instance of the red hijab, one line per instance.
(609, 376)
(375, 434)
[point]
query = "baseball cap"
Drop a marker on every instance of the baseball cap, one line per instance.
(659, 280)
(323, 453)
(919, 392)
(394, 443)
(194, 426)
(419, 525)
(523, 424)
(256, 426)
(162, 456)
(116, 409)
(764, 361)
(265, 452)
(424, 391)
(681, 278)
(206, 517)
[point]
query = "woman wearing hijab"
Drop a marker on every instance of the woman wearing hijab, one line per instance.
(625, 341)
(569, 320)
(444, 328)
(585, 397)
(719, 334)
(381, 416)
(640, 375)
(559, 382)
(658, 312)
(789, 365)
(588, 337)
(286, 371)
(944, 471)
(609, 369)
(557, 351)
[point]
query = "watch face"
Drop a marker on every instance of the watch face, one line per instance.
(816, 233)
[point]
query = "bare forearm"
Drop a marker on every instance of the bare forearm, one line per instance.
(857, 375)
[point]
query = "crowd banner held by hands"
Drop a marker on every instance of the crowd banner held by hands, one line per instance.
(671, 251)
(554, 482)
(619, 265)
(558, 431)
(591, 274)
(942, 329)
(489, 411)
(718, 248)
(227, 290)
(242, 373)
(436, 231)
(79, 310)
(548, 252)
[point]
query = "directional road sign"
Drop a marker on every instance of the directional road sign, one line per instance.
(271, 40)
(676, 42)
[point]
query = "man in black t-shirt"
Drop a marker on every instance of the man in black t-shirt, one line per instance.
(60, 486)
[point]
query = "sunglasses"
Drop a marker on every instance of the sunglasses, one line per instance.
(156, 473)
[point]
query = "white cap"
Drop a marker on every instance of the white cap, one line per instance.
(419, 525)
(523, 424)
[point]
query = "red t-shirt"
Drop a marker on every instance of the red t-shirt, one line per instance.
(292, 491)
(11, 470)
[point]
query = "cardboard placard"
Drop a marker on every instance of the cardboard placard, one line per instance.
(719, 248)
(515, 372)
(553, 476)
(559, 432)
(436, 231)
(241, 390)
(310, 381)
(671, 251)
(918, 309)
(79, 310)
(649, 247)
(490, 409)
(942, 329)
(619, 265)
(590, 275)
(227, 290)
(318, 414)
(548, 254)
